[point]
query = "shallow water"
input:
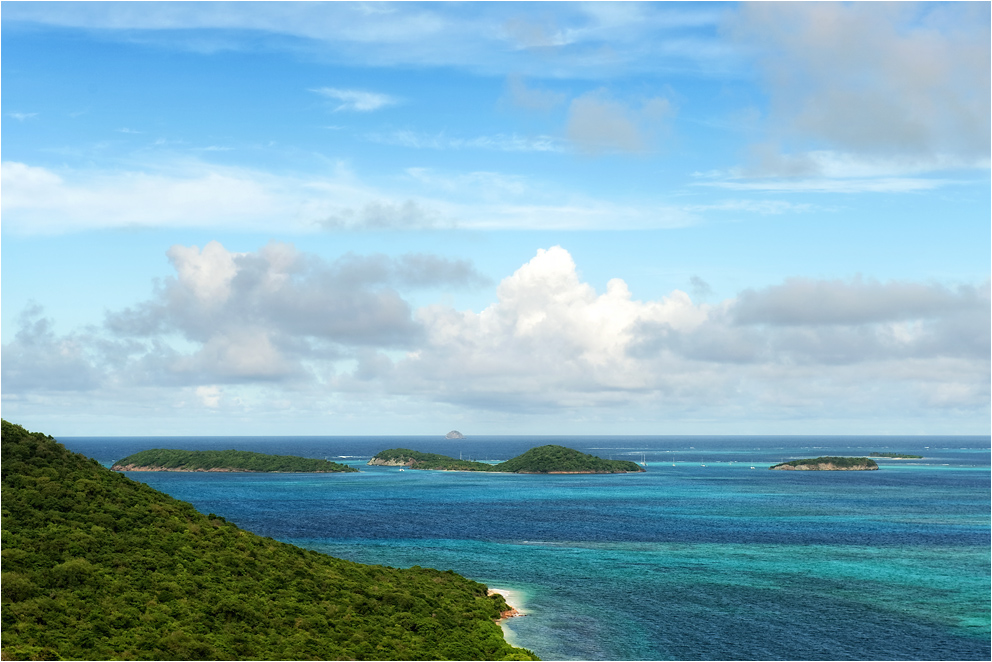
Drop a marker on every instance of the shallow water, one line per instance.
(720, 561)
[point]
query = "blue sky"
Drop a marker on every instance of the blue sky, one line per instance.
(505, 218)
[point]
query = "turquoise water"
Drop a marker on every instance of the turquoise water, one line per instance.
(681, 562)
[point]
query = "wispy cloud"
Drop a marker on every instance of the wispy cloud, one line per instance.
(491, 38)
(193, 193)
(20, 117)
(763, 207)
(829, 171)
(356, 100)
(439, 141)
(879, 185)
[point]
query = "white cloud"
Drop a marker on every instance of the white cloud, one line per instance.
(39, 200)
(479, 184)
(597, 124)
(763, 207)
(357, 100)
(823, 185)
(20, 117)
(439, 141)
(207, 274)
(209, 396)
(584, 41)
(185, 193)
(549, 344)
(804, 301)
(877, 80)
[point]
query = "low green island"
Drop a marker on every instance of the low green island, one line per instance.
(550, 459)
(167, 459)
(897, 456)
(97, 566)
(828, 464)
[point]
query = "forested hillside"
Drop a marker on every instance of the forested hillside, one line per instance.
(166, 459)
(543, 459)
(97, 566)
(559, 459)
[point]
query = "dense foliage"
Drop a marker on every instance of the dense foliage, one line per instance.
(839, 462)
(232, 460)
(418, 460)
(552, 458)
(543, 459)
(901, 456)
(97, 566)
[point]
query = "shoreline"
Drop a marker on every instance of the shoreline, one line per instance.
(513, 599)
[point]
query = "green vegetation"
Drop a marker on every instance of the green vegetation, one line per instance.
(98, 566)
(899, 456)
(164, 459)
(418, 460)
(835, 463)
(552, 458)
(543, 459)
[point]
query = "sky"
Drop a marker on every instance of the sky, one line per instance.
(502, 218)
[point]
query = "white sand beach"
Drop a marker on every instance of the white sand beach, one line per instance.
(514, 600)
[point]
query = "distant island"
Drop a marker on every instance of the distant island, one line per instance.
(897, 456)
(454, 434)
(97, 566)
(164, 459)
(828, 464)
(550, 459)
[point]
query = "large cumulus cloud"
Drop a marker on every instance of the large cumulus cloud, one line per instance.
(307, 331)
(551, 341)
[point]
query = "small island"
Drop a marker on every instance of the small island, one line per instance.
(828, 464)
(550, 459)
(897, 456)
(454, 434)
(164, 459)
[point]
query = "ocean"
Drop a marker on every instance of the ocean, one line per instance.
(705, 556)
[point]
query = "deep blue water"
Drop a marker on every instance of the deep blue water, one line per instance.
(696, 562)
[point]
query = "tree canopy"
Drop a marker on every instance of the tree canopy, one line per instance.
(543, 459)
(182, 460)
(98, 566)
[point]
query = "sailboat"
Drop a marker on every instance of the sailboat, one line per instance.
(644, 461)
